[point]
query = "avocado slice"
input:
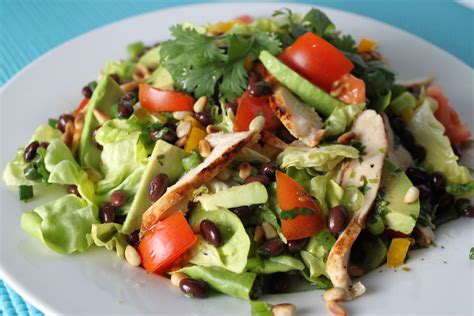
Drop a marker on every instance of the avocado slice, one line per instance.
(165, 159)
(105, 96)
(151, 59)
(161, 78)
(397, 215)
(323, 102)
(242, 195)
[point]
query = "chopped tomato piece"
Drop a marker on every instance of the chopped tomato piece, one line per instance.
(249, 108)
(456, 131)
(291, 195)
(316, 60)
(157, 100)
(81, 106)
(349, 89)
(246, 19)
(166, 242)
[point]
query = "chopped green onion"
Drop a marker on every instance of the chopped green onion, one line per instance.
(52, 122)
(191, 161)
(31, 173)
(26, 192)
(375, 224)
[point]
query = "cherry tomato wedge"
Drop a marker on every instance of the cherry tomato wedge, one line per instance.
(456, 131)
(166, 242)
(246, 19)
(291, 195)
(81, 106)
(157, 100)
(316, 60)
(249, 108)
(349, 89)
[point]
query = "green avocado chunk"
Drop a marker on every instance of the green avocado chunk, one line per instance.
(105, 96)
(151, 59)
(161, 78)
(241, 195)
(397, 215)
(323, 102)
(165, 159)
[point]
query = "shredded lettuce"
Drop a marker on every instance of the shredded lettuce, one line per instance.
(283, 263)
(108, 235)
(341, 118)
(261, 308)
(461, 190)
(315, 255)
(124, 69)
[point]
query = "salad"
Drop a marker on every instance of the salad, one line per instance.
(244, 156)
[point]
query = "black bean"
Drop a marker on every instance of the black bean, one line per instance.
(30, 151)
(233, 105)
(205, 118)
(125, 109)
(425, 191)
(417, 175)
(258, 178)
(107, 213)
(272, 247)
(437, 182)
(118, 198)
(337, 219)
(211, 232)
(44, 145)
(446, 202)
(133, 238)
(87, 92)
(120, 219)
(129, 96)
(469, 211)
(194, 288)
(407, 139)
(268, 169)
(242, 212)
(285, 135)
(457, 150)
(63, 120)
(72, 189)
(94, 140)
(294, 246)
(418, 153)
(461, 204)
(158, 187)
(257, 87)
(398, 124)
(279, 282)
(115, 77)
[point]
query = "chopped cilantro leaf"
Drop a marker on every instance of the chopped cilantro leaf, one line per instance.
(295, 212)
(52, 122)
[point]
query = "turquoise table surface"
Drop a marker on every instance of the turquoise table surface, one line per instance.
(29, 28)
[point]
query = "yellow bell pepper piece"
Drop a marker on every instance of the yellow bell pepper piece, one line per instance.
(193, 139)
(194, 122)
(366, 45)
(408, 115)
(397, 252)
(222, 27)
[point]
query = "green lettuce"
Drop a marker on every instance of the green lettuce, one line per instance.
(261, 308)
(461, 190)
(317, 188)
(240, 285)
(232, 254)
(118, 129)
(124, 69)
(108, 235)
(341, 118)
(321, 159)
(283, 263)
(439, 154)
(62, 225)
(315, 255)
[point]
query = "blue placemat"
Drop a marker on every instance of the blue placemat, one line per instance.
(29, 28)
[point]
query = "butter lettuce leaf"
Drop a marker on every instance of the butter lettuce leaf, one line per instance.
(341, 118)
(283, 263)
(315, 255)
(108, 235)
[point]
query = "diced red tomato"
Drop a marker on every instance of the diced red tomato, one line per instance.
(249, 108)
(349, 90)
(165, 243)
(157, 100)
(290, 195)
(316, 60)
(81, 106)
(456, 131)
(246, 19)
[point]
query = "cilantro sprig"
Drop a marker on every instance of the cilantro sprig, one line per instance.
(208, 65)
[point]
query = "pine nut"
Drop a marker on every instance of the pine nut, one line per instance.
(244, 170)
(200, 104)
(204, 148)
(284, 310)
(177, 277)
(224, 175)
(183, 129)
(336, 309)
(258, 235)
(269, 231)
(412, 195)
(100, 116)
(132, 256)
(257, 124)
(346, 138)
(212, 129)
(334, 294)
(181, 141)
(179, 115)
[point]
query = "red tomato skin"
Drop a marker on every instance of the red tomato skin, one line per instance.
(157, 100)
(246, 19)
(81, 106)
(349, 89)
(316, 60)
(249, 108)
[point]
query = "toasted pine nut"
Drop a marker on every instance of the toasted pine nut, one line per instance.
(141, 73)
(204, 148)
(336, 309)
(179, 115)
(181, 141)
(269, 231)
(357, 289)
(284, 310)
(200, 104)
(334, 294)
(129, 86)
(412, 195)
(346, 138)
(257, 124)
(68, 134)
(244, 170)
(132, 256)
(183, 129)
(258, 235)
(355, 271)
(177, 277)
(224, 175)
(212, 129)
(100, 116)
(78, 126)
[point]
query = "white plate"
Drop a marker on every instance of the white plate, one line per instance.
(440, 281)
